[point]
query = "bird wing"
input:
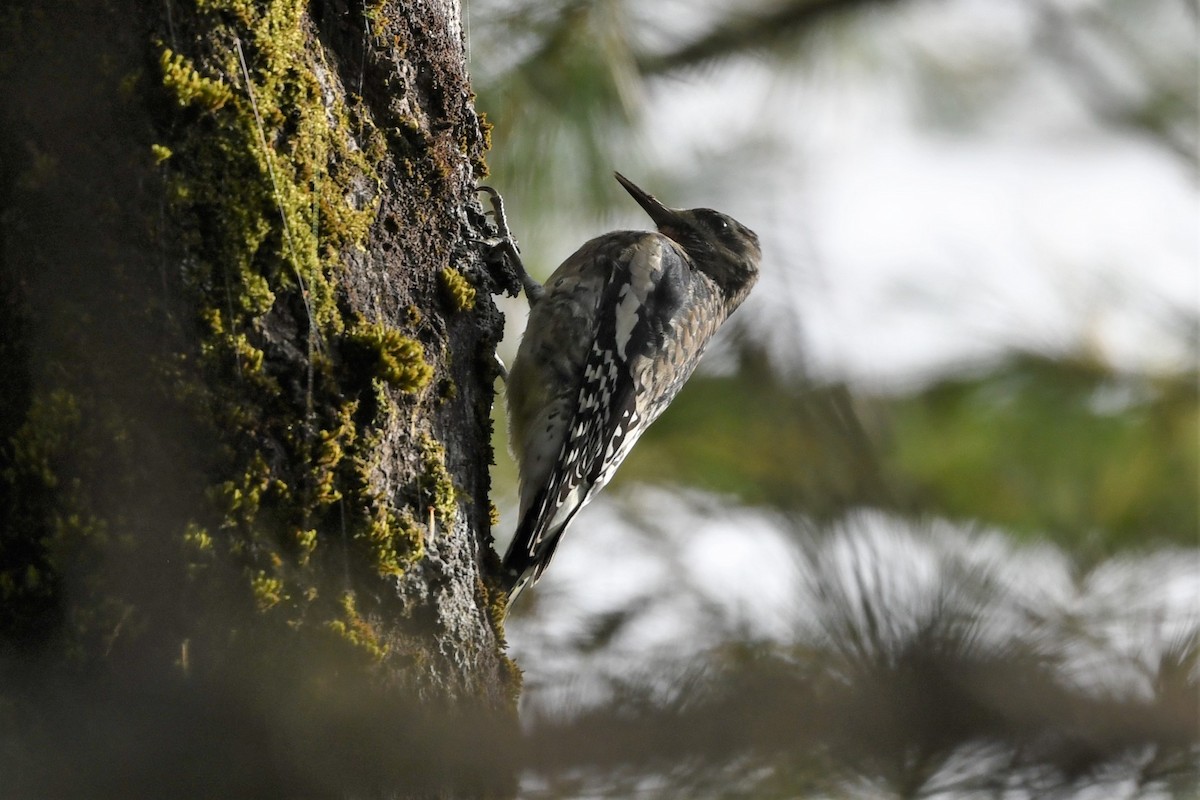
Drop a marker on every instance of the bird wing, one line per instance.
(643, 291)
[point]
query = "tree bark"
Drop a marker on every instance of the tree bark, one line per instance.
(247, 368)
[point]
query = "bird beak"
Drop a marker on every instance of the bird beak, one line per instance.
(663, 216)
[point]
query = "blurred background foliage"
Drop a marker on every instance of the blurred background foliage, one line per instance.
(977, 486)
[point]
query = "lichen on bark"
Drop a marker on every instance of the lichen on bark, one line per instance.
(276, 182)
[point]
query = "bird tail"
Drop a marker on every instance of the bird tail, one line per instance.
(515, 588)
(530, 552)
(518, 566)
(537, 536)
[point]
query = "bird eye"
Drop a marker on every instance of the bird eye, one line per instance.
(724, 228)
(716, 222)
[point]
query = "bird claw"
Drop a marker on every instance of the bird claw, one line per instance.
(497, 214)
(504, 247)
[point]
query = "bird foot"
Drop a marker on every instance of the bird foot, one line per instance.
(503, 246)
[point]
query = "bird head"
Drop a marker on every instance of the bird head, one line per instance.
(720, 246)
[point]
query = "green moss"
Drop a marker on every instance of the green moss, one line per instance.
(239, 499)
(189, 86)
(52, 530)
(272, 185)
(386, 407)
(197, 539)
(160, 152)
(45, 436)
(458, 289)
(50, 509)
(271, 189)
(436, 483)
(479, 164)
(497, 606)
(350, 627)
(256, 296)
(285, 190)
(396, 540)
(306, 545)
(495, 600)
(399, 360)
(268, 590)
(331, 450)
(199, 550)
(249, 358)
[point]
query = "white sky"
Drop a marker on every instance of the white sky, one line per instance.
(908, 246)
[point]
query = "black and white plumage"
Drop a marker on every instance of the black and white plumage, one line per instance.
(612, 337)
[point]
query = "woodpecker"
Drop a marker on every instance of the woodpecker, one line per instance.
(612, 336)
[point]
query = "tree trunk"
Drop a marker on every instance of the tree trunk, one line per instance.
(247, 366)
